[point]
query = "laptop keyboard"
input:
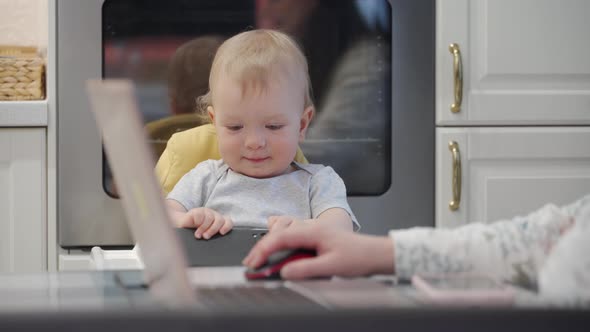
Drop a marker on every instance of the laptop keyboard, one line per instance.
(253, 298)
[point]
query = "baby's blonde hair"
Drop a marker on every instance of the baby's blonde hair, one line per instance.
(254, 58)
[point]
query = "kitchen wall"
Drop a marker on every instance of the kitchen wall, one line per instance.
(24, 23)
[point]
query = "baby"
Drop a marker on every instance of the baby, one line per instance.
(259, 101)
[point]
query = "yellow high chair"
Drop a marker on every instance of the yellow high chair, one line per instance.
(160, 131)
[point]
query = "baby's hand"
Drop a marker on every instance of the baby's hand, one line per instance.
(208, 222)
(277, 223)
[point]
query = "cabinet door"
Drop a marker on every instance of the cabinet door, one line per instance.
(507, 172)
(524, 62)
(23, 244)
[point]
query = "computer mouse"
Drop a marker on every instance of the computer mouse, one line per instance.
(275, 262)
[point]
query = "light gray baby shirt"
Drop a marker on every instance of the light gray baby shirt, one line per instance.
(304, 193)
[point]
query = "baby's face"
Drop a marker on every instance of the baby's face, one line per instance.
(258, 133)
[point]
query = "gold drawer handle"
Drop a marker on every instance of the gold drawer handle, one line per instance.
(454, 148)
(458, 74)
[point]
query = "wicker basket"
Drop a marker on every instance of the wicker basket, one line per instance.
(22, 74)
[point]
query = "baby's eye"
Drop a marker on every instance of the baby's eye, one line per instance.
(274, 126)
(234, 128)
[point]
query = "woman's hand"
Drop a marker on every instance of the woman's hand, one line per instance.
(339, 252)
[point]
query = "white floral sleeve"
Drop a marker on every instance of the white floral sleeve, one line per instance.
(565, 276)
(514, 249)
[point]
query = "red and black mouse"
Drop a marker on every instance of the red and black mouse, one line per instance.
(271, 270)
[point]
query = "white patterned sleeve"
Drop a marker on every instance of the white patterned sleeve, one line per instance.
(512, 249)
(565, 277)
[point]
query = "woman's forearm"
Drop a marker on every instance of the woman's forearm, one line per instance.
(511, 249)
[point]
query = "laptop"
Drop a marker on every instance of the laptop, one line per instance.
(166, 275)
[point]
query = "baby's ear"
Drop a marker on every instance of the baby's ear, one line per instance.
(211, 113)
(306, 117)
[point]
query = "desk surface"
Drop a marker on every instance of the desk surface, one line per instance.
(91, 291)
(62, 291)
(95, 301)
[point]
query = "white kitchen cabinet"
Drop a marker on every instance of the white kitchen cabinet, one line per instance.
(27, 146)
(505, 172)
(23, 204)
(518, 75)
(524, 62)
(509, 171)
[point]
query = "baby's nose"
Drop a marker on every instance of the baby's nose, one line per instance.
(255, 140)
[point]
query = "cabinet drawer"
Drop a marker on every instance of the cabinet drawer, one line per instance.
(509, 171)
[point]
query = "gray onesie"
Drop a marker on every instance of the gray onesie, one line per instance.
(304, 193)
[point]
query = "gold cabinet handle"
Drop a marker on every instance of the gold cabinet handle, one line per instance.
(454, 148)
(458, 74)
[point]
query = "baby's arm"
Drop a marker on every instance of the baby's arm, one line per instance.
(176, 212)
(185, 202)
(328, 201)
(336, 217)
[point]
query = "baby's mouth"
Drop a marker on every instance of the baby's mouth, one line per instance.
(256, 160)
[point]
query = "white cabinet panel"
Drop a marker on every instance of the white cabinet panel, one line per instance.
(23, 228)
(74, 261)
(510, 171)
(525, 62)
